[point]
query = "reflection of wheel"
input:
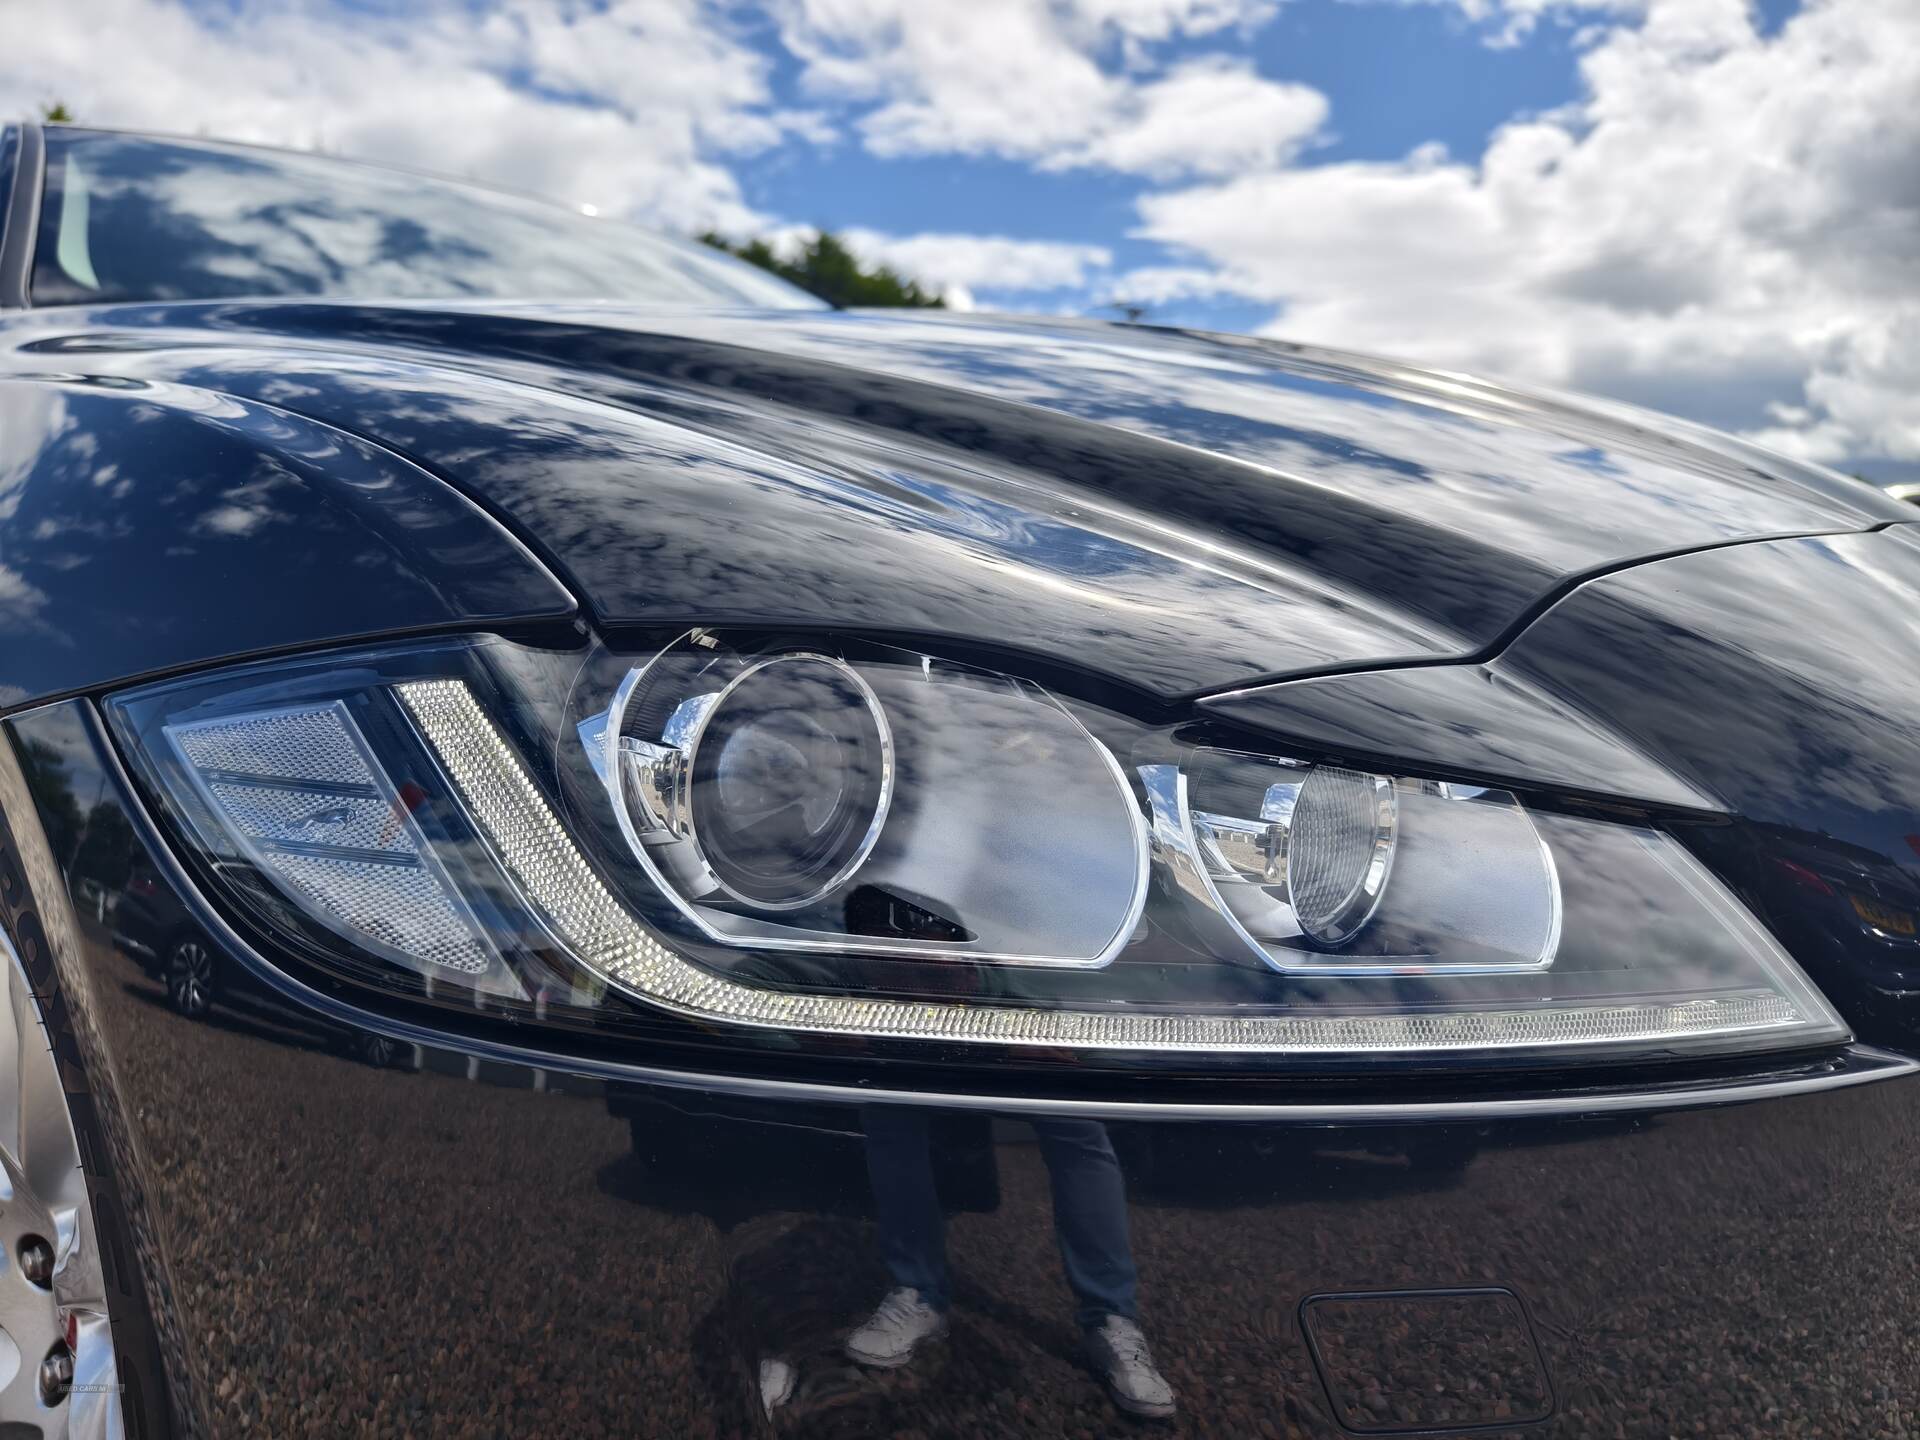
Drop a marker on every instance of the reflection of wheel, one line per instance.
(189, 976)
(378, 1051)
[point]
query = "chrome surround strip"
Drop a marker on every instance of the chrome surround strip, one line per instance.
(20, 222)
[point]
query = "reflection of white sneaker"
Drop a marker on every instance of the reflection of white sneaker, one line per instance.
(893, 1332)
(777, 1380)
(1119, 1355)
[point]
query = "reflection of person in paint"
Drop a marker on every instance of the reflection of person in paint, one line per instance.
(1090, 1223)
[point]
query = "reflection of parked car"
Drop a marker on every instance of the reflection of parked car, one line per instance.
(151, 925)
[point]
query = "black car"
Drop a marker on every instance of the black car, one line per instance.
(943, 874)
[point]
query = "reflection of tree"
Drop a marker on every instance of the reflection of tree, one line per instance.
(105, 850)
(95, 843)
(52, 787)
(826, 268)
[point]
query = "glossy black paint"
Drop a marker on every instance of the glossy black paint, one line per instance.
(530, 1247)
(1465, 721)
(1777, 678)
(489, 1237)
(1174, 512)
(149, 526)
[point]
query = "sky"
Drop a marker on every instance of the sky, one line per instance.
(1709, 207)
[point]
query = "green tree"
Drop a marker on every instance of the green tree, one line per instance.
(826, 268)
(57, 113)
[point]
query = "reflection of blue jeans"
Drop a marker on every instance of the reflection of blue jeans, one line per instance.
(1089, 1210)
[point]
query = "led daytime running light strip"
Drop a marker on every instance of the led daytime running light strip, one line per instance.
(540, 855)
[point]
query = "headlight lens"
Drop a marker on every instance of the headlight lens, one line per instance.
(1305, 886)
(848, 839)
(896, 806)
(788, 780)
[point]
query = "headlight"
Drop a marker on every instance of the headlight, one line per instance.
(898, 806)
(842, 838)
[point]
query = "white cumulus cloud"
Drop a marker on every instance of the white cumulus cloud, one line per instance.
(633, 106)
(1211, 116)
(1725, 225)
(1057, 83)
(1509, 22)
(959, 265)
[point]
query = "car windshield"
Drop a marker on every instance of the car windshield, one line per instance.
(126, 217)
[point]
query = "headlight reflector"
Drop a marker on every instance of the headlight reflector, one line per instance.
(1339, 851)
(1350, 873)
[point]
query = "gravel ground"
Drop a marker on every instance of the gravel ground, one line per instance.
(418, 1254)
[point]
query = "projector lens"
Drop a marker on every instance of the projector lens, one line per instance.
(789, 781)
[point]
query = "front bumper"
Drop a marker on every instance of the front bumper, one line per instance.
(466, 1243)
